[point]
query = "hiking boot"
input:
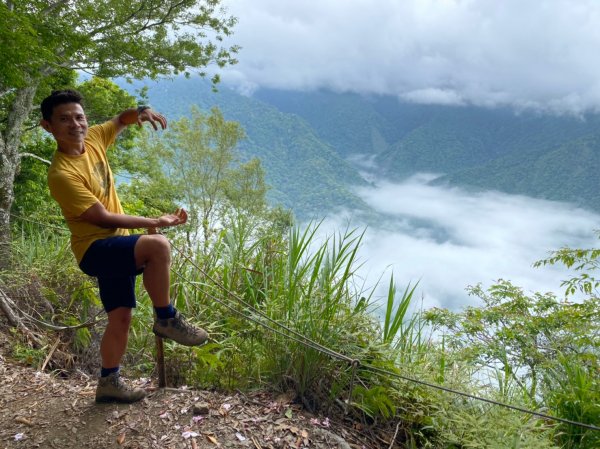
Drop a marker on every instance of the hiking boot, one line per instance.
(179, 330)
(112, 389)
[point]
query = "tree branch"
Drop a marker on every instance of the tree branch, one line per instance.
(52, 7)
(35, 156)
(6, 305)
(134, 15)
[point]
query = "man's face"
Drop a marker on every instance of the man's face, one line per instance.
(68, 125)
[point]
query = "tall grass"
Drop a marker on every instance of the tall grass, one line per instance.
(46, 284)
(44, 268)
(574, 393)
(301, 282)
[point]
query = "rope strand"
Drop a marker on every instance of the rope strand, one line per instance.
(356, 364)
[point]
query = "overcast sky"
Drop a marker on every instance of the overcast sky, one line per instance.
(448, 239)
(541, 54)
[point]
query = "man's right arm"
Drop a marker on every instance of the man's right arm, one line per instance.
(138, 116)
(99, 216)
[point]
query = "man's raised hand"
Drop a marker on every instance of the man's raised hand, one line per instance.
(148, 115)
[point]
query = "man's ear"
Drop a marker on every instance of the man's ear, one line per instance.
(46, 125)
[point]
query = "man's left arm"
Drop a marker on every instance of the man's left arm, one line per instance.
(138, 117)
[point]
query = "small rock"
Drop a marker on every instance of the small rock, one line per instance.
(200, 408)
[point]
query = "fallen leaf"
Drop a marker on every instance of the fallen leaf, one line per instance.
(121, 439)
(189, 434)
(23, 420)
(257, 444)
(212, 439)
(19, 436)
(288, 413)
(240, 436)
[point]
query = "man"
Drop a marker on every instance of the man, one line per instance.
(81, 182)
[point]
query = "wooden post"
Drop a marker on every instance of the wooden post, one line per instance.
(160, 363)
(160, 350)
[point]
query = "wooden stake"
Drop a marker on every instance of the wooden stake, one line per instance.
(160, 363)
(49, 356)
(160, 352)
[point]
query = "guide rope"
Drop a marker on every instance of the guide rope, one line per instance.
(286, 332)
(356, 364)
(89, 323)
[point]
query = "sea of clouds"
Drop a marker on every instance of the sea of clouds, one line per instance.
(450, 238)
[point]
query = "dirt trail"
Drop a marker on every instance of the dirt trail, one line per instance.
(39, 410)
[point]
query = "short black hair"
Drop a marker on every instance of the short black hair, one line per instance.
(56, 98)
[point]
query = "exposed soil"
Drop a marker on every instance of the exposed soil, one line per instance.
(41, 410)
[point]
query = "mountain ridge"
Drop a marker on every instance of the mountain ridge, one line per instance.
(308, 143)
(489, 149)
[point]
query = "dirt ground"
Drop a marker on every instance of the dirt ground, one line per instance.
(41, 410)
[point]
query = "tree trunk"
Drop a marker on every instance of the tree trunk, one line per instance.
(10, 139)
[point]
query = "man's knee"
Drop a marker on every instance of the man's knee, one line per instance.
(119, 319)
(152, 247)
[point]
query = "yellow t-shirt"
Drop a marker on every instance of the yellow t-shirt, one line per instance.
(78, 182)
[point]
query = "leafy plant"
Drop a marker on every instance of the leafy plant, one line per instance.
(573, 392)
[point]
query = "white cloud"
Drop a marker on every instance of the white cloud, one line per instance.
(449, 239)
(433, 96)
(540, 54)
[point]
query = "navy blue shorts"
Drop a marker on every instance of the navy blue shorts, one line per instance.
(112, 261)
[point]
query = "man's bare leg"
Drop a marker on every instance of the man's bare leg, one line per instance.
(114, 340)
(112, 348)
(153, 253)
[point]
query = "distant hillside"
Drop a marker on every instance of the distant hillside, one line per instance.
(345, 121)
(305, 140)
(567, 172)
(542, 156)
(305, 173)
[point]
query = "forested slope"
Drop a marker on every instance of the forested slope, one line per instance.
(305, 173)
(552, 157)
(305, 140)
